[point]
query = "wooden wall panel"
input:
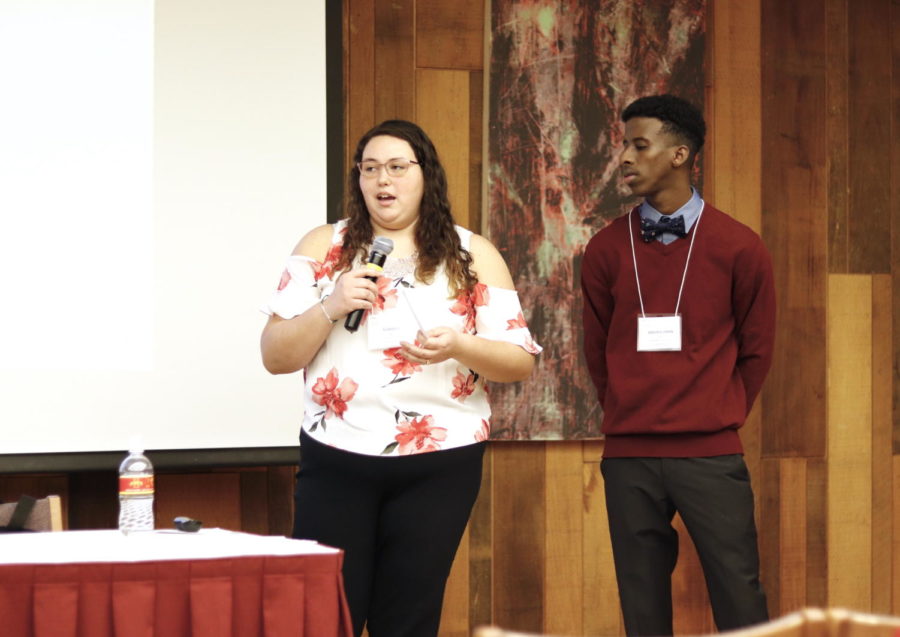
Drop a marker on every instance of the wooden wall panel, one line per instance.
(895, 597)
(94, 499)
(279, 499)
(443, 108)
(476, 149)
(359, 71)
(395, 60)
(563, 548)
(768, 502)
(253, 509)
(850, 441)
(266, 500)
(895, 231)
(450, 34)
(837, 127)
(792, 523)
(519, 481)
(869, 115)
(601, 612)
(256, 500)
(733, 171)
(882, 472)
(816, 533)
(213, 498)
(481, 549)
(735, 135)
(455, 619)
(794, 201)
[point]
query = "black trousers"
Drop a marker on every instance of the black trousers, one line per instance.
(715, 502)
(399, 521)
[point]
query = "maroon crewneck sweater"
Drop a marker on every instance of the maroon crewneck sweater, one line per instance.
(688, 403)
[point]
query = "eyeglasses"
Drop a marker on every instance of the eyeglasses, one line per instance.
(397, 167)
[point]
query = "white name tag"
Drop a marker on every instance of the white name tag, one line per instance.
(659, 333)
(401, 323)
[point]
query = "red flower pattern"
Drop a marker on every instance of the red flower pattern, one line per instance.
(387, 296)
(326, 267)
(334, 397)
(463, 386)
(398, 364)
(386, 299)
(516, 323)
(419, 435)
(285, 279)
(467, 302)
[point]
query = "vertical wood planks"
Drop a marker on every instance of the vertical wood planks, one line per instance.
(450, 34)
(735, 142)
(476, 149)
(280, 501)
(838, 130)
(481, 548)
(849, 440)
(817, 533)
(767, 493)
(214, 498)
(882, 473)
(395, 59)
(895, 230)
(455, 618)
(793, 519)
(895, 596)
(869, 118)
(359, 69)
(563, 550)
(255, 509)
(443, 111)
(794, 203)
(519, 482)
(736, 150)
(601, 612)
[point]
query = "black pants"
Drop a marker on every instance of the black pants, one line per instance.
(399, 521)
(715, 501)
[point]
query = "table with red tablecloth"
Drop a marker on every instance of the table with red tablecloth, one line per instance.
(213, 583)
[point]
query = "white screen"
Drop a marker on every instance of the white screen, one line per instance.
(158, 161)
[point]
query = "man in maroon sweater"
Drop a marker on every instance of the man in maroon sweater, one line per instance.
(679, 324)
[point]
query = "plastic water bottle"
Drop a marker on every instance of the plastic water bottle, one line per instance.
(135, 492)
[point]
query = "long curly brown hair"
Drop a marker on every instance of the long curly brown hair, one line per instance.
(437, 242)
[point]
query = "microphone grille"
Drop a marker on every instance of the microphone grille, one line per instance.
(382, 245)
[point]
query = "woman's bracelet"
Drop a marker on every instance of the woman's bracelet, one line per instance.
(324, 311)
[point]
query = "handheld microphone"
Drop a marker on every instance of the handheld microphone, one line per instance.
(381, 247)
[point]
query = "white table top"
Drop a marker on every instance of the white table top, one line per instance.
(76, 547)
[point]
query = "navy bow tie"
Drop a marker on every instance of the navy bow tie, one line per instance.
(650, 230)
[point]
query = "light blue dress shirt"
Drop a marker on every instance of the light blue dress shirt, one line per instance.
(690, 211)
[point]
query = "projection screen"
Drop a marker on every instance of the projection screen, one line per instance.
(158, 162)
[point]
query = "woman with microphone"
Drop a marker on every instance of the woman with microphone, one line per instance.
(396, 412)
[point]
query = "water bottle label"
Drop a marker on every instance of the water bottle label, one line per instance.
(136, 485)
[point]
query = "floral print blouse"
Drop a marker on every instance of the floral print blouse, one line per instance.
(369, 399)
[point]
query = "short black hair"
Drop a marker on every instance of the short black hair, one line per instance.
(679, 117)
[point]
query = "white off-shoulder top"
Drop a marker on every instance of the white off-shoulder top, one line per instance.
(360, 394)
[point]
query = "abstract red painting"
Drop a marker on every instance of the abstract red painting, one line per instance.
(561, 72)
